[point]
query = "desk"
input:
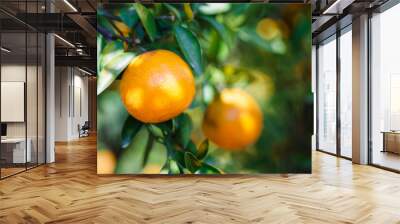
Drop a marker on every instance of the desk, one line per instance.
(391, 141)
(16, 147)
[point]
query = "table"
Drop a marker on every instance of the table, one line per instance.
(17, 150)
(391, 141)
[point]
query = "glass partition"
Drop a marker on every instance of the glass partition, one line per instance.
(22, 77)
(32, 95)
(15, 152)
(346, 93)
(327, 95)
(41, 107)
(385, 89)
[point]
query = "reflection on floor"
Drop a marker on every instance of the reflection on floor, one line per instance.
(8, 170)
(387, 159)
(70, 191)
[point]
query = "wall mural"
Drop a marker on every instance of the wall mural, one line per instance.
(204, 88)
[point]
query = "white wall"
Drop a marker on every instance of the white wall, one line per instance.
(33, 127)
(71, 102)
(12, 73)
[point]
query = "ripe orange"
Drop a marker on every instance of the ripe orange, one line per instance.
(157, 86)
(233, 120)
(268, 29)
(105, 162)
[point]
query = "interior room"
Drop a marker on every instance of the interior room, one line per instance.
(23, 96)
(385, 90)
(50, 113)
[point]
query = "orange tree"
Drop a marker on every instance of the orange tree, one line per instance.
(171, 75)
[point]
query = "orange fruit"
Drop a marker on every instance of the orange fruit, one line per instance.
(105, 162)
(233, 120)
(152, 169)
(268, 29)
(157, 86)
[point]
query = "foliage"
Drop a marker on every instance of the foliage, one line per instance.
(221, 44)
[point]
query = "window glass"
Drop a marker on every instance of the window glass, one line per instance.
(385, 89)
(346, 93)
(327, 96)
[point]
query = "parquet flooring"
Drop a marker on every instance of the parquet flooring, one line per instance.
(69, 191)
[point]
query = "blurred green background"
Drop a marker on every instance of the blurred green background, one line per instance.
(264, 49)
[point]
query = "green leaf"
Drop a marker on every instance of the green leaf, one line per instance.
(129, 131)
(131, 159)
(166, 126)
(147, 19)
(100, 43)
(109, 105)
(157, 154)
(208, 169)
(112, 70)
(202, 149)
(191, 162)
(103, 21)
(155, 131)
(188, 11)
(190, 48)
(112, 49)
(249, 35)
(191, 147)
(184, 129)
(174, 11)
(220, 28)
(173, 167)
(128, 15)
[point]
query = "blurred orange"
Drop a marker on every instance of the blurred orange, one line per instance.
(105, 162)
(157, 86)
(152, 169)
(233, 120)
(268, 29)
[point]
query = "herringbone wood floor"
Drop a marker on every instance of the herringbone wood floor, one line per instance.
(69, 191)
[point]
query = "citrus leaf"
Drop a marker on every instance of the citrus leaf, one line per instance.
(147, 19)
(191, 147)
(173, 167)
(174, 11)
(155, 131)
(166, 126)
(221, 29)
(249, 35)
(111, 49)
(129, 131)
(208, 169)
(202, 149)
(184, 129)
(129, 16)
(130, 160)
(112, 70)
(100, 43)
(188, 11)
(191, 162)
(190, 48)
(107, 27)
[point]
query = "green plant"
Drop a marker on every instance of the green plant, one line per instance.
(221, 45)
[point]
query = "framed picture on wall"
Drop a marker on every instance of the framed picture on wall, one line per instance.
(204, 88)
